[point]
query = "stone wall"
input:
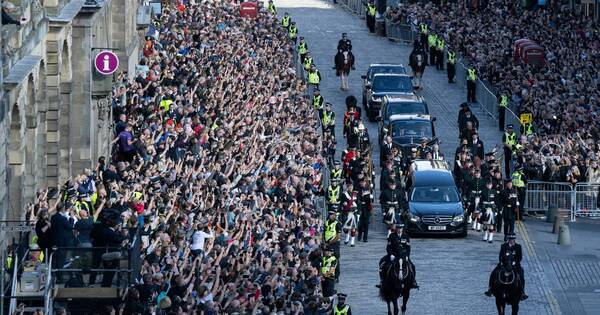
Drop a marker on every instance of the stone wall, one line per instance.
(50, 124)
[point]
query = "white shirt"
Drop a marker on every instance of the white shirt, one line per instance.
(198, 239)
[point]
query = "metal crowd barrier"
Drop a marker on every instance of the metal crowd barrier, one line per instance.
(319, 201)
(399, 32)
(586, 200)
(580, 200)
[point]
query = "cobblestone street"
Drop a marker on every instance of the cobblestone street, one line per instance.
(452, 273)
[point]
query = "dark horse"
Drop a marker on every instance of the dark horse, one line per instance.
(506, 285)
(396, 282)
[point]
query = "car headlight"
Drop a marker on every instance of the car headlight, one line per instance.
(414, 218)
(376, 99)
(458, 218)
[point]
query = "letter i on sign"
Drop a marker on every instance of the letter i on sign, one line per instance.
(106, 63)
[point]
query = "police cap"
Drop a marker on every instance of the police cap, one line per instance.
(508, 180)
(344, 34)
(463, 105)
(400, 225)
(511, 236)
(327, 248)
(341, 296)
(293, 23)
(489, 154)
(301, 37)
(510, 126)
(336, 162)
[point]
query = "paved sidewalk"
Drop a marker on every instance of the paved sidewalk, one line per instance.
(453, 273)
(573, 272)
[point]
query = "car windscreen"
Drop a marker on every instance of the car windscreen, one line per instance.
(411, 129)
(434, 194)
(392, 84)
(405, 108)
(386, 69)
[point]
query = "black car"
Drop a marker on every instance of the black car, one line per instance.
(378, 68)
(407, 131)
(382, 85)
(406, 104)
(434, 204)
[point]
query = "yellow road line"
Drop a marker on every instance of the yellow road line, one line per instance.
(554, 307)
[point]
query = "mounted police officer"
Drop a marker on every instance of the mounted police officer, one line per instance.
(398, 246)
(510, 247)
(344, 44)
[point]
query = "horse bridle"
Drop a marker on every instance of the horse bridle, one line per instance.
(512, 277)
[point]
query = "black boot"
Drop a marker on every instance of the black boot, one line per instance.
(488, 292)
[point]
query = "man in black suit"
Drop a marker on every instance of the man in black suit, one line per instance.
(62, 232)
(477, 148)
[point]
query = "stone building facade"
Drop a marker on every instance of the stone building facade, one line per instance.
(55, 108)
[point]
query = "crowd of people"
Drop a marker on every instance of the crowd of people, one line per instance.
(218, 161)
(563, 95)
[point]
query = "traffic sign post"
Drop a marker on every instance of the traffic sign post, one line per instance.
(106, 62)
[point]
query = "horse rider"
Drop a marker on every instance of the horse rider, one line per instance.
(398, 246)
(365, 207)
(510, 247)
(489, 202)
(417, 62)
(331, 237)
(328, 120)
(341, 308)
(344, 44)
(329, 264)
